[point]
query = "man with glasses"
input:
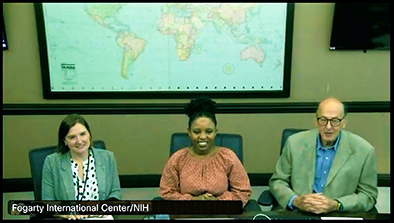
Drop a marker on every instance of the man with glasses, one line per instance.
(327, 168)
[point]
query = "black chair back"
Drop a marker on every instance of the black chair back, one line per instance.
(180, 140)
(37, 158)
(286, 133)
(266, 198)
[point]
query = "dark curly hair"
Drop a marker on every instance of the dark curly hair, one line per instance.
(201, 107)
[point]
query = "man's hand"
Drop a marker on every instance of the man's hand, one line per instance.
(315, 203)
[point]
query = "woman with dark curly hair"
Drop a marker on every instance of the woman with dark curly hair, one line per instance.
(204, 171)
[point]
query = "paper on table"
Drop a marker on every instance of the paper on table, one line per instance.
(340, 218)
(99, 217)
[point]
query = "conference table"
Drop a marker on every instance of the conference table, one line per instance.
(265, 215)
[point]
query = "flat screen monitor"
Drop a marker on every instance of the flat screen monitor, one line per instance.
(5, 44)
(361, 26)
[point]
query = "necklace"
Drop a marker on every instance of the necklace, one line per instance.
(86, 179)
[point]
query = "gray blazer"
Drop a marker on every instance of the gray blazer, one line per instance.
(352, 178)
(57, 181)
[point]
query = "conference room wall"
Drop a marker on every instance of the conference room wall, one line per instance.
(316, 71)
(141, 142)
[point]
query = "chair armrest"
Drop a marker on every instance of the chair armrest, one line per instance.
(157, 199)
(252, 205)
(266, 198)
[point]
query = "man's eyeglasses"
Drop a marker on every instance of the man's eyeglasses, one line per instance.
(334, 121)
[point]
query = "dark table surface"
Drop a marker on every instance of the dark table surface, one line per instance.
(277, 215)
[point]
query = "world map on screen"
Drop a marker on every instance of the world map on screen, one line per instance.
(165, 46)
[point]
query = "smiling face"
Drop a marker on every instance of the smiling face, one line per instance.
(202, 133)
(78, 139)
(329, 109)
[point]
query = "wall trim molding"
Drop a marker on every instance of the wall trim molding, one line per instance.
(153, 180)
(178, 108)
